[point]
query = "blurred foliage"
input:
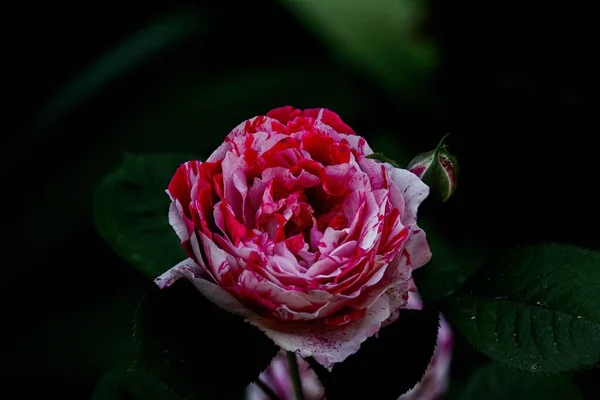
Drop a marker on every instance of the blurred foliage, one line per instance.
(131, 208)
(384, 37)
(142, 46)
(177, 79)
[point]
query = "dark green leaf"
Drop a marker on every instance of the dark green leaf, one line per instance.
(132, 385)
(379, 36)
(200, 350)
(533, 308)
(131, 209)
(412, 337)
(383, 158)
(494, 382)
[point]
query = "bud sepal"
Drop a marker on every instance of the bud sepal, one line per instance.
(438, 169)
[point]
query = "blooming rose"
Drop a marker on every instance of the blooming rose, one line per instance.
(290, 226)
(433, 384)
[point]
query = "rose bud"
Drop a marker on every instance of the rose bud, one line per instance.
(438, 169)
(289, 225)
(432, 386)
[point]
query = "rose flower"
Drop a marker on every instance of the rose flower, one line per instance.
(289, 225)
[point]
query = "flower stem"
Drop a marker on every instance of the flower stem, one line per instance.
(291, 356)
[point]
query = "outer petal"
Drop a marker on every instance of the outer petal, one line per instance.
(412, 190)
(328, 345)
(418, 248)
(182, 227)
(199, 277)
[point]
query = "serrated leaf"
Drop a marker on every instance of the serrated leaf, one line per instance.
(494, 382)
(410, 341)
(200, 350)
(132, 385)
(131, 211)
(533, 308)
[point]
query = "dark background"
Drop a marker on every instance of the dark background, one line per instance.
(511, 82)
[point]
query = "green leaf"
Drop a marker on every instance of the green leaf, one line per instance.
(494, 382)
(370, 365)
(132, 385)
(380, 36)
(198, 349)
(131, 211)
(533, 308)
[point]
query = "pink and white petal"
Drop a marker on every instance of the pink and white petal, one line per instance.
(328, 345)
(414, 301)
(418, 248)
(278, 295)
(359, 143)
(378, 173)
(393, 284)
(412, 191)
(184, 228)
(325, 310)
(175, 273)
(197, 276)
(219, 262)
(234, 166)
(181, 225)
